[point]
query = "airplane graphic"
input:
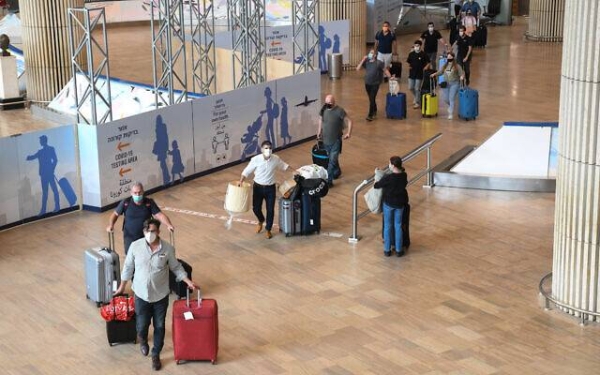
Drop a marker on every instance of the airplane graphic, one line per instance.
(306, 102)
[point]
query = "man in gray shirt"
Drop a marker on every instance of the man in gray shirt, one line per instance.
(151, 258)
(375, 70)
(332, 119)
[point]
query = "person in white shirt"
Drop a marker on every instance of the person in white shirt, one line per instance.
(264, 166)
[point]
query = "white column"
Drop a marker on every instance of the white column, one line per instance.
(576, 265)
(546, 20)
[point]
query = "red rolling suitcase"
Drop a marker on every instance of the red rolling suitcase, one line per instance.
(195, 329)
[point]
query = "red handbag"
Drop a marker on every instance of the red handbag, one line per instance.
(120, 308)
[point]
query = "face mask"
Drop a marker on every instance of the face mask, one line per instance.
(431, 29)
(150, 237)
(461, 33)
(266, 152)
(417, 49)
(328, 105)
(370, 56)
(391, 166)
(137, 198)
(450, 59)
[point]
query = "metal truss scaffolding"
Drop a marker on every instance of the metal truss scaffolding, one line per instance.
(82, 23)
(168, 51)
(247, 24)
(305, 23)
(203, 43)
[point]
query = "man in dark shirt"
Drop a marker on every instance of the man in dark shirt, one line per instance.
(430, 40)
(418, 61)
(375, 70)
(385, 44)
(135, 210)
(332, 120)
(465, 48)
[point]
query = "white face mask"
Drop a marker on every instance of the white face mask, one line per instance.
(266, 152)
(391, 166)
(150, 237)
(417, 49)
(431, 29)
(370, 56)
(461, 33)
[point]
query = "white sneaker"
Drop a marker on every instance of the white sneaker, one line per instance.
(450, 116)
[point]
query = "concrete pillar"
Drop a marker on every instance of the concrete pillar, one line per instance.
(576, 263)
(45, 32)
(546, 20)
(356, 12)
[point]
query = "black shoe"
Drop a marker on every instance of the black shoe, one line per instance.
(144, 348)
(369, 118)
(330, 184)
(387, 253)
(400, 253)
(156, 364)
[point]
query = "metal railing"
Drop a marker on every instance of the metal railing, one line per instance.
(426, 146)
(583, 314)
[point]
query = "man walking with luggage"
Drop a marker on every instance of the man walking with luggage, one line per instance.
(464, 45)
(375, 70)
(151, 258)
(385, 44)
(135, 210)
(417, 60)
(264, 166)
(332, 121)
(430, 39)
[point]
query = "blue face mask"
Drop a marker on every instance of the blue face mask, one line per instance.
(370, 56)
(137, 198)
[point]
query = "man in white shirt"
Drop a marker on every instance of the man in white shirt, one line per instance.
(264, 166)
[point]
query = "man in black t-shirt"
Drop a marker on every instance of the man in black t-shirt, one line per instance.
(465, 49)
(135, 210)
(430, 40)
(418, 61)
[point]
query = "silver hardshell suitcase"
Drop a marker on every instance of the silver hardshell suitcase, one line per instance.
(290, 217)
(102, 272)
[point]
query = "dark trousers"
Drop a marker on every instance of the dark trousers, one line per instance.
(268, 194)
(155, 312)
(372, 93)
(467, 68)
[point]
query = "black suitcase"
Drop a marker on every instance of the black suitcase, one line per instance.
(396, 69)
(119, 332)
(180, 288)
(320, 156)
(311, 214)
(406, 226)
(480, 37)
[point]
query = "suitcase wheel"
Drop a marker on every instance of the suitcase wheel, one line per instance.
(287, 234)
(98, 304)
(177, 362)
(213, 361)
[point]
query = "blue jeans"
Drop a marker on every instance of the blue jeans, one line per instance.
(450, 93)
(414, 85)
(392, 228)
(333, 168)
(268, 194)
(157, 312)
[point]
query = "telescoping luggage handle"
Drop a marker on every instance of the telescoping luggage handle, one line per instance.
(432, 85)
(111, 240)
(172, 238)
(187, 298)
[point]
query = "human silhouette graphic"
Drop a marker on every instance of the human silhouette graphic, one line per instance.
(324, 44)
(250, 139)
(161, 148)
(272, 112)
(336, 44)
(177, 167)
(283, 122)
(47, 163)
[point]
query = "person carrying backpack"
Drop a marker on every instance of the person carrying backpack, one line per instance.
(136, 209)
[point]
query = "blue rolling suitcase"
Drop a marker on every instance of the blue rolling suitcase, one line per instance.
(395, 106)
(311, 213)
(68, 191)
(468, 103)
